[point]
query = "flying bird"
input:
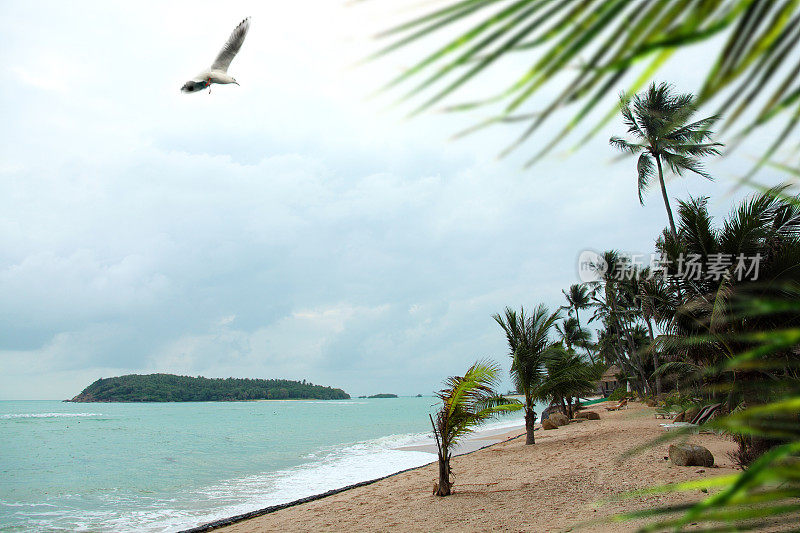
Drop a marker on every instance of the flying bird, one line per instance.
(218, 71)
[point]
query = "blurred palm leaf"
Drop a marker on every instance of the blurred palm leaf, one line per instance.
(755, 67)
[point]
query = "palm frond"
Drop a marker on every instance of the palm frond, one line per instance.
(757, 59)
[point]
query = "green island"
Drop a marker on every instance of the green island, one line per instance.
(173, 388)
(381, 395)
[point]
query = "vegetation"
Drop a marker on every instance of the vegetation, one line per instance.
(383, 395)
(172, 388)
(530, 346)
(569, 376)
(578, 299)
(689, 325)
(659, 120)
(751, 70)
(467, 401)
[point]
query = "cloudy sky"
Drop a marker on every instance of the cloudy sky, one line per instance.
(290, 227)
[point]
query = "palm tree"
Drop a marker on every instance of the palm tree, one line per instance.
(659, 120)
(597, 45)
(767, 226)
(568, 376)
(467, 401)
(571, 335)
(529, 345)
(578, 297)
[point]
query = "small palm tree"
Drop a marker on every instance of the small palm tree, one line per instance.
(529, 345)
(467, 401)
(659, 120)
(568, 376)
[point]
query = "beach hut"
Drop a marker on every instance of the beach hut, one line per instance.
(608, 381)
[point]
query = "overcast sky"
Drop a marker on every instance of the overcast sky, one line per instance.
(289, 227)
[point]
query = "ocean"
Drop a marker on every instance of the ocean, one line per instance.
(171, 466)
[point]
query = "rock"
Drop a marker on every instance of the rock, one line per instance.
(548, 425)
(589, 415)
(577, 420)
(559, 419)
(689, 414)
(548, 411)
(690, 455)
(680, 417)
(651, 403)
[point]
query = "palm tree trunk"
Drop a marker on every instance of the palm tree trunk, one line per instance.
(444, 477)
(655, 355)
(530, 423)
(580, 330)
(666, 199)
(443, 487)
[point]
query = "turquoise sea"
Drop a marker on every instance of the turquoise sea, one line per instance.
(165, 467)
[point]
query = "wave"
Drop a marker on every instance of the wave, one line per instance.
(46, 415)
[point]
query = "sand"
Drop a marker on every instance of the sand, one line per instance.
(571, 475)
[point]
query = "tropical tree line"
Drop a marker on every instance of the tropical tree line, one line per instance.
(715, 318)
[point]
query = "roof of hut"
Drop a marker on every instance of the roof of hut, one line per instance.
(610, 374)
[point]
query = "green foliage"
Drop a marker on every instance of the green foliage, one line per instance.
(596, 44)
(661, 122)
(467, 401)
(529, 346)
(618, 394)
(568, 376)
(172, 388)
(383, 395)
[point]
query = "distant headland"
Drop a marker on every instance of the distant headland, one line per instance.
(173, 388)
(382, 395)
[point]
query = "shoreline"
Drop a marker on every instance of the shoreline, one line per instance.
(472, 444)
(573, 475)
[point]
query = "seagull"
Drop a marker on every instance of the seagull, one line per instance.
(218, 71)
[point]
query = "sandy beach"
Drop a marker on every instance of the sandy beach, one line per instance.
(571, 476)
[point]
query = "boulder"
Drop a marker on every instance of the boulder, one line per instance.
(588, 415)
(559, 419)
(651, 403)
(576, 420)
(690, 455)
(548, 425)
(549, 410)
(680, 417)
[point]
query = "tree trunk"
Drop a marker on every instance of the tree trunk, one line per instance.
(570, 412)
(588, 351)
(530, 422)
(563, 406)
(666, 199)
(655, 356)
(444, 477)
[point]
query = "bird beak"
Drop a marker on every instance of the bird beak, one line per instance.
(236, 82)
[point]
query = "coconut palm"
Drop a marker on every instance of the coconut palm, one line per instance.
(467, 401)
(570, 333)
(529, 345)
(579, 297)
(660, 122)
(767, 226)
(568, 376)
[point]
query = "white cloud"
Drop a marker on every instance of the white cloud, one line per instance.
(286, 227)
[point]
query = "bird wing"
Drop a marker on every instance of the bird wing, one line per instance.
(231, 48)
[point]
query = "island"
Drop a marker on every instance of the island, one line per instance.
(173, 388)
(383, 395)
